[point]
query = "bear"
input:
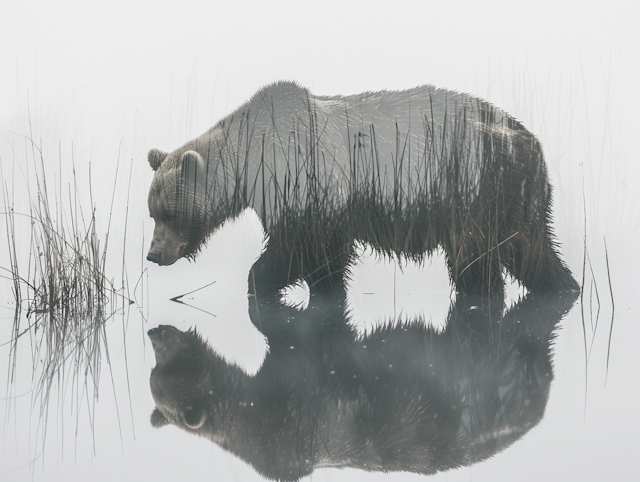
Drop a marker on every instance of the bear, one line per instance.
(403, 397)
(407, 172)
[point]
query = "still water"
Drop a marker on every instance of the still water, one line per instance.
(390, 371)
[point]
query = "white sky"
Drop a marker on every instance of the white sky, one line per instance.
(109, 79)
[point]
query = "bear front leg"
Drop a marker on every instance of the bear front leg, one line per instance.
(475, 268)
(324, 270)
(271, 273)
(306, 247)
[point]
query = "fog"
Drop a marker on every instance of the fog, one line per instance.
(86, 90)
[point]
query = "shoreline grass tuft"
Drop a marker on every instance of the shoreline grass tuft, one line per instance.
(63, 297)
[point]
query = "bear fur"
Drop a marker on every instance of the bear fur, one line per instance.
(407, 172)
(404, 397)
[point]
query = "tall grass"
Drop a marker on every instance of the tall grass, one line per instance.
(63, 297)
(471, 181)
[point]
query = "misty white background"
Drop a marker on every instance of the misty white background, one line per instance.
(96, 85)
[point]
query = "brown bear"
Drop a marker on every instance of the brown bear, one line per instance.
(407, 172)
(404, 397)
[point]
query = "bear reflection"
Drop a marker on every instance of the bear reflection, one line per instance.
(402, 398)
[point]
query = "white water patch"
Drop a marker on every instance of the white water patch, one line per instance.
(513, 291)
(382, 289)
(212, 293)
(296, 295)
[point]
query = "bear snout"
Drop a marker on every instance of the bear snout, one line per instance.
(167, 245)
(164, 258)
(155, 334)
(154, 257)
(167, 342)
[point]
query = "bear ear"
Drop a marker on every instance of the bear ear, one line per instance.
(156, 157)
(158, 419)
(194, 416)
(192, 170)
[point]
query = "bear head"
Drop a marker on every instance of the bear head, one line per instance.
(177, 203)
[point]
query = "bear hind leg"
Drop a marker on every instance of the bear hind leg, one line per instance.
(537, 265)
(475, 270)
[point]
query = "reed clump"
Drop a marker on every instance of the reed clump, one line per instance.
(63, 297)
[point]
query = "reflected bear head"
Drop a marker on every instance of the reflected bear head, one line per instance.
(180, 382)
